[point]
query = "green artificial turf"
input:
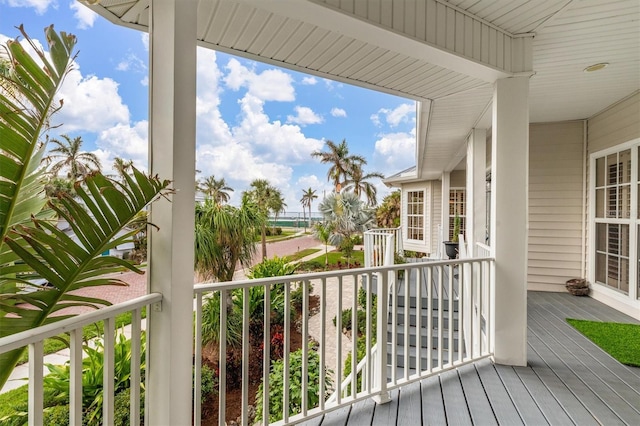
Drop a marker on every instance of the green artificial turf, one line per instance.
(621, 341)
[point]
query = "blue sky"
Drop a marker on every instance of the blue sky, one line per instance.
(254, 120)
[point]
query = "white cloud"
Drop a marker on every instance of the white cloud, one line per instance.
(40, 6)
(90, 103)
(145, 81)
(401, 114)
(131, 62)
(125, 141)
(282, 143)
(338, 112)
(269, 85)
(309, 81)
(145, 41)
(304, 116)
(85, 16)
(395, 152)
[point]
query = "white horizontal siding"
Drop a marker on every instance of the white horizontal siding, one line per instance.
(618, 124)
(555, 204)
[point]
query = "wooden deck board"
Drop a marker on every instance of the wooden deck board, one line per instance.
(455, 403)
(432, 402)
(563, 395)
(524, 402)
(362, 413)
(386, 414)
(568, 380)
(503, 407)
(410, 406)
(479, 406)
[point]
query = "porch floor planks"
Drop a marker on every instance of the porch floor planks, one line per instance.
(621, 379)
(524, 402)
(612, 390)
(568, 380)
(479, 406)
(559, 390)
(600, 410)
(432, 402)
(455, 403)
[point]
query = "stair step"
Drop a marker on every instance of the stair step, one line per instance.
(434, 321)
(424, 302)
(423, 337)
(424, 357)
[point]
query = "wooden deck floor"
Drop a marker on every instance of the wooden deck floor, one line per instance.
(568, 381)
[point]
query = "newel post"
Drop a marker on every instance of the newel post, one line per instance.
(381, 338)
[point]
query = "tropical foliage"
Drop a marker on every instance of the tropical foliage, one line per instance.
(307, 199)
(322, 232)
(267, 199)
(224, 238)
(337, 155)
(276, 385)
(216, 189)
(67, 154)
(32, 246)
(388, 213)
(357, 181)
(347, 216)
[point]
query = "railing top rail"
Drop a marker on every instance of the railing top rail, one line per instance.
(26, 337)
(381, 230)
(230, 285)
(483, 246)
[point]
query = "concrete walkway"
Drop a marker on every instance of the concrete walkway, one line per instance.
(137, 287)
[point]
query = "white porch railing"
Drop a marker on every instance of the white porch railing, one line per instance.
(338, 290)
(380, 246)
(73, 326)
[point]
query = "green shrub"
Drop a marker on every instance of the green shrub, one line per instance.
(211, 322)
(276, 386)
(278, 230)
(122, 411)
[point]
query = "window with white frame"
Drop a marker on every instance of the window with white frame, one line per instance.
(613, 220)
(415, 215)
(457, 207)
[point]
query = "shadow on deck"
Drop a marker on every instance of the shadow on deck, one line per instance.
(568, 380)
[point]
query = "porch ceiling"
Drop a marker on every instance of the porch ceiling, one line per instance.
(445, 52)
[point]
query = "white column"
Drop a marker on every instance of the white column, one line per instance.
(509, 186)
(476, 188)
(172, 72)
(446, 179)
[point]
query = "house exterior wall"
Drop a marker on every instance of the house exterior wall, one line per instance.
(617, 125)
(556, 204)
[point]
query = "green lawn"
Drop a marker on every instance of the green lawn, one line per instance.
(621, 341)
(285, 235)
(302, 253)
(334, 257)
(9, 400)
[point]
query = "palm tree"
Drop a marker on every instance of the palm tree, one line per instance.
(224, 237)
(340, 160)
(68, 154)
(323, 233)
(122, 167)
(388, 213)
(307, 198)
(357, 181)
(216, 189)
(267, 199)
(347, 215)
